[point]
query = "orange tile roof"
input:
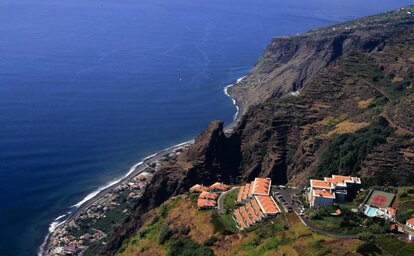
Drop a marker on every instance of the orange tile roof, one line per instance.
(339, 179)
(320, 184)
(323, 193)
(201, 203)
(410, 221)
(251, 212)
(246, 191)
(257, 209)
(392, 211)
(239, 218)
(245, 216)
(219, 186)
(240, 194)
(250, 190)
(198, 188)
(267, 204)
(261, 186)
(208, 195)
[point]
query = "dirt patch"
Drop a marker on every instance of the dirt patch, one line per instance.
(347, 127)
(186, 214)
(365, 103)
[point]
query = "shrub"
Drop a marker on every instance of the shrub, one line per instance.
(368, 249)
(165, 234)
(184, 246)
(210, 241)
(345, 153)
(403, 195)
(366, 236)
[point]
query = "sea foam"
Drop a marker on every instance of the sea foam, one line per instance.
(226, 92)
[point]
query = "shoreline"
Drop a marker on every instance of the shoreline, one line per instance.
(136, 169)
(103, 190)
(239, 107)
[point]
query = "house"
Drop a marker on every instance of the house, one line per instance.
(197, 188)
(219, 187)
(410, 223)
(337, 188)
(208, 195)
(204, 204)
(390, 213)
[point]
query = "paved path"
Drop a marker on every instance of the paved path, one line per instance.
(220, 200)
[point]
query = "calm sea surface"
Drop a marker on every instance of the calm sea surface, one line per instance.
(90, 87)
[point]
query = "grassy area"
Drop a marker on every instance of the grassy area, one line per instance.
(224, 223)
(390, 245)
(405, 203)
(344, 154)
(290, 237)
(168, 231)
(348, 222)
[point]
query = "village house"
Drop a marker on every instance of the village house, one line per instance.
(219, 187)
(337, 188)
(410, 223)
(208, 195)
(204, 204)
(197, 188)
(207, 199)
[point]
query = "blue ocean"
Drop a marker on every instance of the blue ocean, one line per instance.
(90, 87)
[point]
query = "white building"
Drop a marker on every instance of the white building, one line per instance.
(335, 189)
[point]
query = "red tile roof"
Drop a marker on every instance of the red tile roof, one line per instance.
(246, 191)
(267, 204)
(208, 195)
(240, 194)
(410, 222)
(205, 203)
(257, 209)
(251, 212)
(239, 218)
(245, 216)
(198, 188)
(219, 186)
(320, 184)
(261, 186)
(323, 193)
(392, 211)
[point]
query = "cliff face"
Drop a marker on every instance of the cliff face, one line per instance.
(354, 115)
(211, 158)
(288, 63)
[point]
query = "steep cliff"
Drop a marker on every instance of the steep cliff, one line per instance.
(353, 115)
(289, 62)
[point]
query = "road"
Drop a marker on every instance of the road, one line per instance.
(220, 201)
(287, 194)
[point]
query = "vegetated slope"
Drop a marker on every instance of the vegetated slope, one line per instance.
(289, 62)
(178, 228)
(353, 116)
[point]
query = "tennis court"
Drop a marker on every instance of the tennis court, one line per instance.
(380, 199)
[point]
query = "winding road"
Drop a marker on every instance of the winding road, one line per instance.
(220, 200)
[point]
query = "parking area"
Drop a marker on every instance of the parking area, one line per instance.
(286, 197)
